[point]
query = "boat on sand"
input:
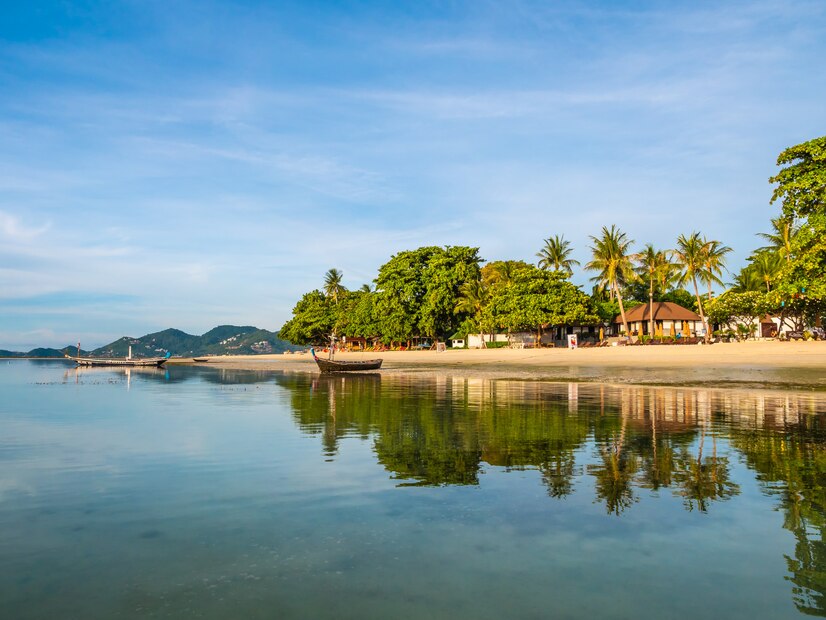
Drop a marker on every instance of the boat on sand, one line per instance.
(341, 366)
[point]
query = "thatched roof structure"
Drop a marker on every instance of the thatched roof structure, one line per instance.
(663, 311)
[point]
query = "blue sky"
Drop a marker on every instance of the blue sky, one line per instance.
(188, 164)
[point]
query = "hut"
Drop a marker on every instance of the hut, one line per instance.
(669, 318)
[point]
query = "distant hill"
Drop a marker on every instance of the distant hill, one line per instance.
(44, 352)
(221, 340)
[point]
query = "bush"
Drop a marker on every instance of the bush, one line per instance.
(744, 331)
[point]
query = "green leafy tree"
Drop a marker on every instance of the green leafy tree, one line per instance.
(473, 296)
(744, 308)
(446, 271)
(501, 272)
(555, 255)
(613, 263)
(681, 297)
(418, 290)
(536, 298)
(356, 315)
(401, 289)
(313, 320)
(801, 187)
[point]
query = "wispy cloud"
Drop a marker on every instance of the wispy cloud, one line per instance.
(14, 230)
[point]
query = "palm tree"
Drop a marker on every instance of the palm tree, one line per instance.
(502, 272)
(715, 262)
(780, 239)
(554, 255)
(766, 267)
(691, 256)
(612, 261)
(365, 288)
(747, 280)
(655, 266)
(332, 284)
(473, 296)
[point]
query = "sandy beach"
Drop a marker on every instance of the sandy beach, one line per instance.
(770, 364)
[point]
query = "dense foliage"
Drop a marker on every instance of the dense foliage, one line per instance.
(438, 292)
(791, 270)
(417, 291)
(534, 298)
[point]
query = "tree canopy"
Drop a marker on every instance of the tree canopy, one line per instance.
(418, 291)
(801, 188)
(535, 298)
(434, 291)
(801, 185)
(313, 320)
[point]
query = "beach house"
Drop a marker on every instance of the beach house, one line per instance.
(670, 319)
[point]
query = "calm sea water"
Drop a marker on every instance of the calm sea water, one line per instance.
(196, 492)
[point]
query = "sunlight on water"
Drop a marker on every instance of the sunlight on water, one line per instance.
(212, 493)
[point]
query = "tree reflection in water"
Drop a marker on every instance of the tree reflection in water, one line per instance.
(624, 440)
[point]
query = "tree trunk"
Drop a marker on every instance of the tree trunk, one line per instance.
(700, 308)
(651, 308)
(622, 310)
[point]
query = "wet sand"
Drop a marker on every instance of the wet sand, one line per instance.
(763, 364)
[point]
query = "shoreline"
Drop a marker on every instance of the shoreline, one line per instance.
(760, 365)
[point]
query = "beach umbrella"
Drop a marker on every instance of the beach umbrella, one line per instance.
(673, 330)
(601, 334)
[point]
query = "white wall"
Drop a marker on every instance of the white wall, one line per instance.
(474, 341)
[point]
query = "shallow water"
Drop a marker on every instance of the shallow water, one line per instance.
(199, 492)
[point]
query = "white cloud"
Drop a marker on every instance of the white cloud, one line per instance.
(13, 230)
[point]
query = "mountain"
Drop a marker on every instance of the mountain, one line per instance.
(221, 340)
(44, 352)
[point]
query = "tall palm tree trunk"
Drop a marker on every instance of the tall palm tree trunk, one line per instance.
(622, 310)
(700, 307)
(651, 308)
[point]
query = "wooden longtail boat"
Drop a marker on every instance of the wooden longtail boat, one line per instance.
(335, 366)
(118, 361)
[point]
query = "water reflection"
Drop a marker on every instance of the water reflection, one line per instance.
(627, 440)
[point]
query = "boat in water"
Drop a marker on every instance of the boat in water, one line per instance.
(119, 361)
(341, 366)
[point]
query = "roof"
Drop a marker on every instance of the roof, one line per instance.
(663, 311)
